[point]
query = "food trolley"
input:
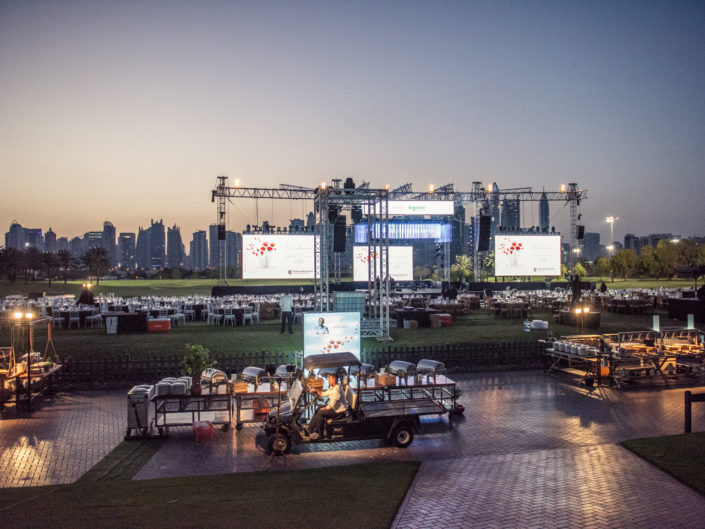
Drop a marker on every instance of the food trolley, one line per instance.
(215, 404)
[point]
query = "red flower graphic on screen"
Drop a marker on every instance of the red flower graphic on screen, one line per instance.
(511, 248)
(262, 249)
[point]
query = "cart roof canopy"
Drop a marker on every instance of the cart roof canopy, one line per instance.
(330, 360)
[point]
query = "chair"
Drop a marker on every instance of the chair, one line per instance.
(74, 317)
(94, 319)
(298, 314)
(228, 316)
(189, 312)
(255, 313)
(247, 315)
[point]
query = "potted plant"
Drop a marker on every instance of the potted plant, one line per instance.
(196, 360)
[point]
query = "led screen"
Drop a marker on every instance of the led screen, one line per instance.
(277, 256)
(331, 332)
(401, 263)
(527, 255)
(418, 207)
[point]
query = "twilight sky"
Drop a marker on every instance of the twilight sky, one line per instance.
(126, 111)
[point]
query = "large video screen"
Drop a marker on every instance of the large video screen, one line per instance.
(331, 332)
(527, 255)
(401, 263)
(277, 256)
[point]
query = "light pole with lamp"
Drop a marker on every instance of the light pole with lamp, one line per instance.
(611, 221)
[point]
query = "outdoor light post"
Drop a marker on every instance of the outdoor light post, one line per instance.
(23, 322)
(611, 221)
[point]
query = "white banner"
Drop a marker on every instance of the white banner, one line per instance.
(401, 263)
(418, 207)
(527, 255)
(331, 332)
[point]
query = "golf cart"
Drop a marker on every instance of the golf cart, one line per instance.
(374, 412)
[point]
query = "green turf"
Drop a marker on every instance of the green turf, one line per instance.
(478, 327)
(124, 461)
(367, 495)
(681, 456)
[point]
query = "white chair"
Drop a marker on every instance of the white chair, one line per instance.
(298, 314)
(214, 318)
(94, 319)
(189, 313)
(229, 316)
(255, 313)
(74, 317)
(247, 315)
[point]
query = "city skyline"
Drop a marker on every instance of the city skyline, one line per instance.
(129, 111)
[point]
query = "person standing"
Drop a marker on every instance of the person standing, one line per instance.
(286, 303)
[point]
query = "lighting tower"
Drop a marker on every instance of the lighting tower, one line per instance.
(611, 221)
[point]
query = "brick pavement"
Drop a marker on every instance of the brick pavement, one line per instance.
(530, 448)
(593, 486)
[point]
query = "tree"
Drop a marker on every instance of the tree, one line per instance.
(647, 264)
(66, 260)
(10, 261)
(602, 267)
(488, 264)
(624, 263)
(97, 261)
(462, 269)
(32, 260)
(667, 257)
(421, 272)
(50, 262)
(579, 270)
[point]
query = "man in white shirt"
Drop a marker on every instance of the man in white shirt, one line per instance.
(337, 405)
(286, 302)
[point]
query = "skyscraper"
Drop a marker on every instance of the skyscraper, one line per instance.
(157, 245)
(50, 241)
(511, 214)
(233, 252)
(109, 242)
(544, 213)
(20, 238)
(127, 251)
(199, 250)
(175, 248)
(142, 249)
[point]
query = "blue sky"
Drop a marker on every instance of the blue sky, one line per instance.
(126, 111)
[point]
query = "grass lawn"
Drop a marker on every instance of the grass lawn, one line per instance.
(478, 327)
(367, 495)
(681, 456)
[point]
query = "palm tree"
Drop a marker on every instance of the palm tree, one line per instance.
(66, 260)
(462, 269)
(97, 261)
(10, 260)
(32, 262)
(488, 263)
(50, 261)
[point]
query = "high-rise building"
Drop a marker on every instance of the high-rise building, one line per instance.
(213, 246)
(127, 251)
(511, 214)
(199, 251)
(20, 238)
(109, 242)
(92, 239)
(76, 246)
(631, 242)
(544, 213)
(591, 246)
(50, 241)
(174, 248)
(233, 251)
(142, 249)
(157, 245)
(62, 243)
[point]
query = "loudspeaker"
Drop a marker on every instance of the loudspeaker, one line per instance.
(581, 232)
(483, 240)
(339, 234)
(221, 232)
(332, 212)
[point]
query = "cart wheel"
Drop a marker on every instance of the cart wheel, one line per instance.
(279, 444)
(238, 427)
(225, 427)
(161, 430)
(403, 435)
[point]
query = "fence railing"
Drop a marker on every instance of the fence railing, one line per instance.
(125, 370)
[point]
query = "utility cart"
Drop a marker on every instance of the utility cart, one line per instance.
(215, 404)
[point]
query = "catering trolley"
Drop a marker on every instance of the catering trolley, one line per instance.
(215, 404)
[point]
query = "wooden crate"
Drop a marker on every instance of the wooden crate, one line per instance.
(240, 386)
(385, 380)
(315, 383)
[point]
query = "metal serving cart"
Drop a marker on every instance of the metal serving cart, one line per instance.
(215, 404)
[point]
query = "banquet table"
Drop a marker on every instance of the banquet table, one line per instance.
(421, 315)
(128, 321)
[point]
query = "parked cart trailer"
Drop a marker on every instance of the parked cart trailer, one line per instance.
(373, 412)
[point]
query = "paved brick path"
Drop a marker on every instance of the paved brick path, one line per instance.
(531, 450)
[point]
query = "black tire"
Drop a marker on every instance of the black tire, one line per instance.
(238, 427)
(403, 435)
(225, 427)
(280, 444)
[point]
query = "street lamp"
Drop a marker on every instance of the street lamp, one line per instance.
(611, 221)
